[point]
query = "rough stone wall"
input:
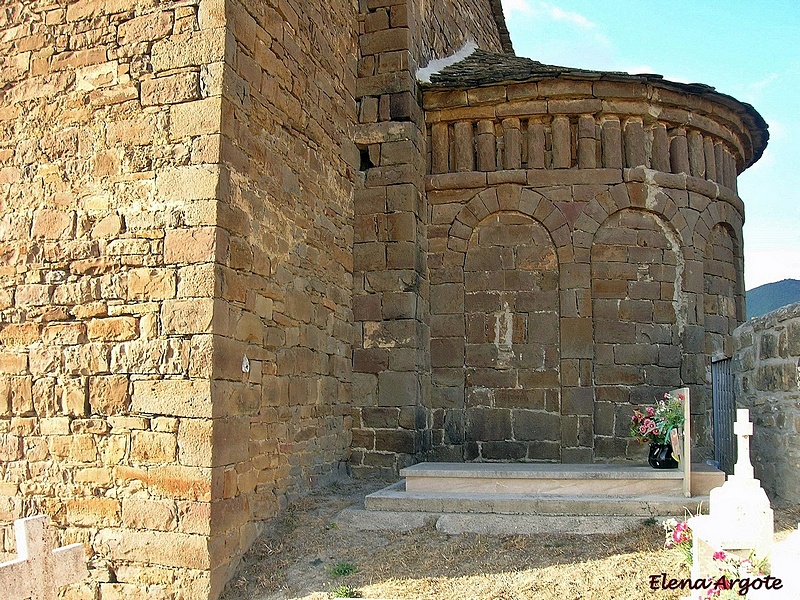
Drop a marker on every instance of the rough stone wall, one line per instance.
(391, 363)
(631, 206)
(109, 180)
(283, 335)
(766, 368)
(441, 28)
(176, 193)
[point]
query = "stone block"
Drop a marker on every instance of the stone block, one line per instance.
(399, 441)
(398, 389)
(188, 316)
(114, 329)
(576, 338)
(53, 224)
(504, 451)
(578, 401)
(370, 360)
(447, 352)
(380, 417)
(86, 9)
(149, 447)
(486, 424)
(151, 284)
(146, 28)
(231, 440)
(171, 89)
(172, 397)
(385, 41)
(93, 512)
(156, 548)
(108, 394)
(536, 426)
(189, 49)
(21, 334)
(201, 117)
(190, 182)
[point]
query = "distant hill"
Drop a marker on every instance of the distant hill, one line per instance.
(770, 296)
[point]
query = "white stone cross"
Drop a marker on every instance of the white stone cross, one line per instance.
(743, 429)
(39, 570)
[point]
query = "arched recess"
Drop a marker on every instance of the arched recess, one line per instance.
(717, 241)
(511, 363)
(495, 330)
(639, 313)
(723, 295)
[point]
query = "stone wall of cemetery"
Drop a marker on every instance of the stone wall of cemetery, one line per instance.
(767, 372)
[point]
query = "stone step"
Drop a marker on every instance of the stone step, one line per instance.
(485, 524)
(397, 498)
(543, 479)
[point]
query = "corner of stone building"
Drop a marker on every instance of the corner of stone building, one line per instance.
(391, 360)
(169, 337)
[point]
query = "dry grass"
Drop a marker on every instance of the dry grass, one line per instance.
(294, 557)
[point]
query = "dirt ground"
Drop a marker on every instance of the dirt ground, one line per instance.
(302, 554)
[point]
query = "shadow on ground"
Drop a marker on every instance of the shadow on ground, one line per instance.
(298, 554)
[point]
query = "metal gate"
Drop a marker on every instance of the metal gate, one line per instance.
(724, 414)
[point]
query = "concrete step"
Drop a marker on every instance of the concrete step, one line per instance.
(543, 479)
(396, 497)
(485, 524)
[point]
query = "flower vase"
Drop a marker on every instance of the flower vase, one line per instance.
(660, 457)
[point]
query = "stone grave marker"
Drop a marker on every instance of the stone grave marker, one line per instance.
(40, 570)
(739, 519)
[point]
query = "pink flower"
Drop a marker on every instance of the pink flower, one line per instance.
(651, 412)
(720, 555)
(643, 430)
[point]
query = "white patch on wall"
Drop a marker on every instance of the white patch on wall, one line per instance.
(504, 335)
(438, 64)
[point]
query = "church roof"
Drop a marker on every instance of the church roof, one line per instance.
(487, 68)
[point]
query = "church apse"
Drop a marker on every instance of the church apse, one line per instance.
(629, 184)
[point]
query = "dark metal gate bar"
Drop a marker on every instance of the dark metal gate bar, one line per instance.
(724, 414)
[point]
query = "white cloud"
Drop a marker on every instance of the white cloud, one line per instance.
(519, 6)
(557, 14)
(549, 11)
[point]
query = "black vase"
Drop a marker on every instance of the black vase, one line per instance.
(660, 457)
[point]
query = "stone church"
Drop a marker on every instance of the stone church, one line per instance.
(244, 246)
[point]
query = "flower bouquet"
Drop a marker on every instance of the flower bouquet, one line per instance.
(654, 424)
(660, 425)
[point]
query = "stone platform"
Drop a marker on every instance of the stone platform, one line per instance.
(546, 489)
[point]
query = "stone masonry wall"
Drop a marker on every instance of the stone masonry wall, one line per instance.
(766, 367)
(441, 28)
(175, 181)
(391, 364)
(642, 283)
(284, 333)
(109, 182)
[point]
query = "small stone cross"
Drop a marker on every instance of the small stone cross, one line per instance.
(743, 429)
(39, 570)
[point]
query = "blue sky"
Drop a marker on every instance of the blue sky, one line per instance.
(746, 48)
